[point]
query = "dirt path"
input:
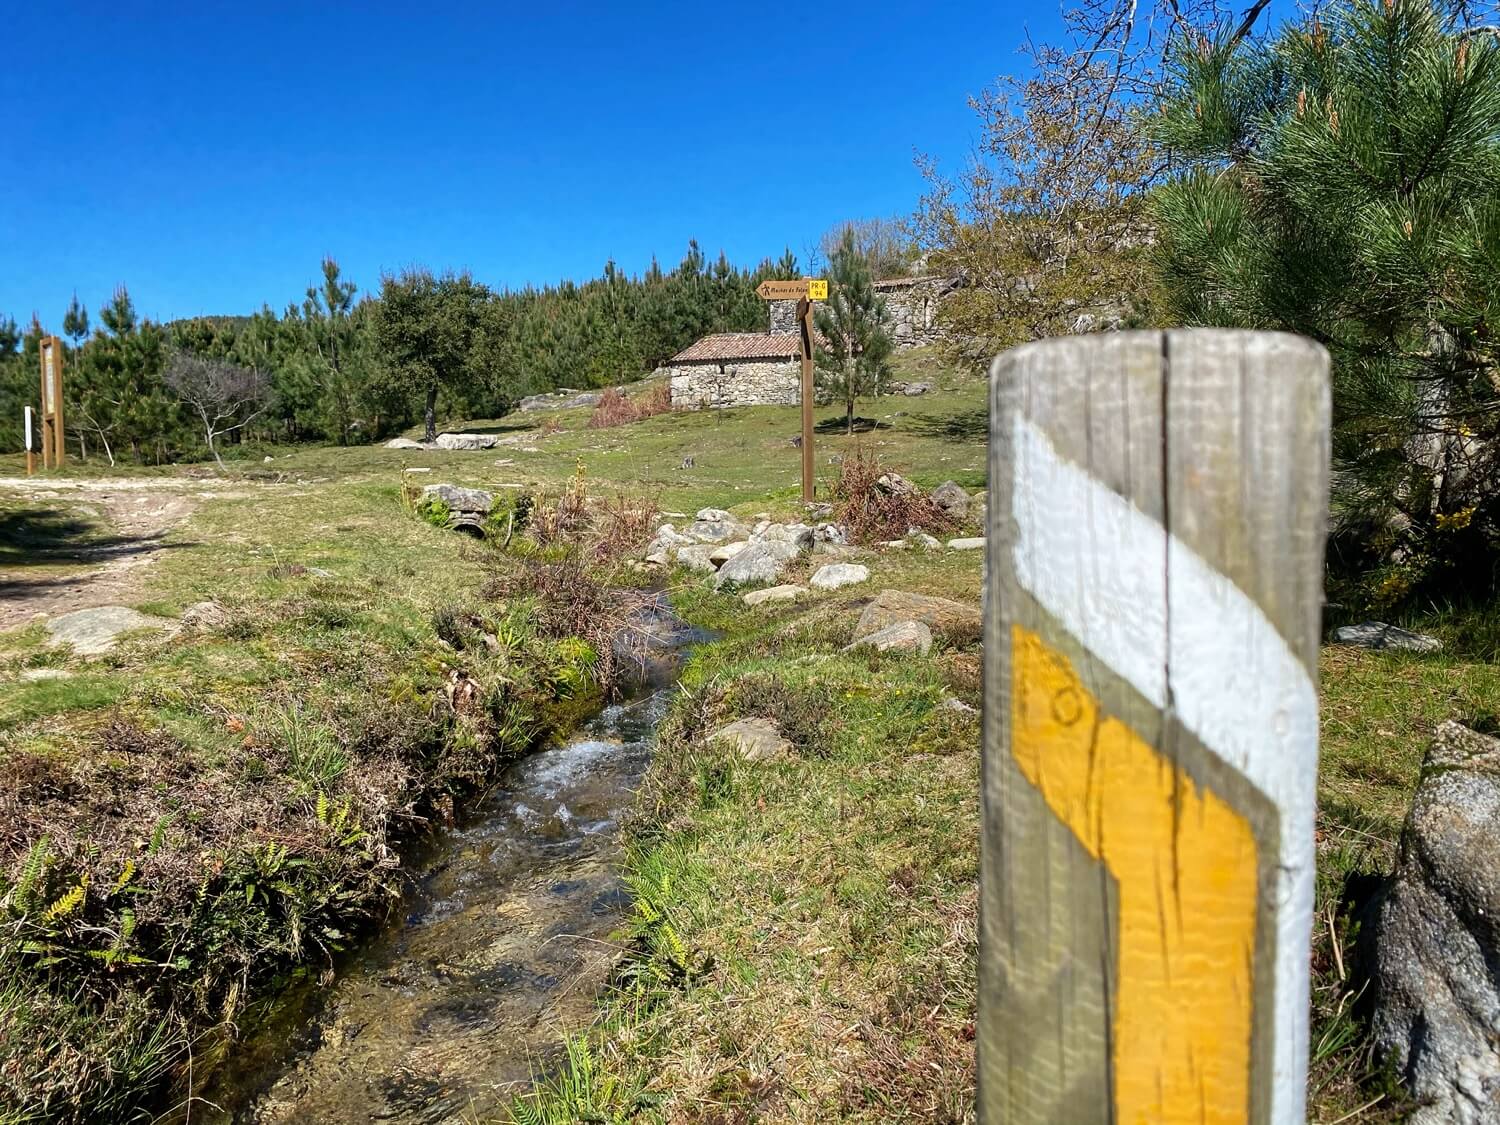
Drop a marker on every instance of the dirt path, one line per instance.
(71, 561)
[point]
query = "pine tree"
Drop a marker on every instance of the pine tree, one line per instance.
(853, 355)
(1343, 182)
(17, 390)
(76, 322)
(331, 358)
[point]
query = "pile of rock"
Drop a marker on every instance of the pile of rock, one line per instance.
(561, 399)
(737, 554)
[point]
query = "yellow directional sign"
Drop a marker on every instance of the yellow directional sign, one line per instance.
(815, 289)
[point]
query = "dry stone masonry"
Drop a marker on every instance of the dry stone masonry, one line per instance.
(761, 368)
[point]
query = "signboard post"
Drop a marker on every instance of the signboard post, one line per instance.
(804, 292)
(52, 402)
(1157, 510)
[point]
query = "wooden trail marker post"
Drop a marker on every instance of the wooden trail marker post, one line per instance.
(52, 402)
(805, 291)
(1157, 517)
(30, 456)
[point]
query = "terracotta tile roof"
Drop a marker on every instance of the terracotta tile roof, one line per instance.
(740, 345)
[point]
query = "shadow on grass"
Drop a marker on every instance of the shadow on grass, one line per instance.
(841, 426)
(52, 537)
(965, 425)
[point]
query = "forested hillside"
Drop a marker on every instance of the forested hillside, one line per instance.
(347, 366)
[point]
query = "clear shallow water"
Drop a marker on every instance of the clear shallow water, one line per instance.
(500, 948)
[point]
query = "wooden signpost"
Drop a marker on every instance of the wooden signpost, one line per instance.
(52, 402)
(30, 456)
(804, 292)
(1157, 513)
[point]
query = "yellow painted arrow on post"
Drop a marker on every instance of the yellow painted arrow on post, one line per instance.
(1156, 528)
(1185, 863)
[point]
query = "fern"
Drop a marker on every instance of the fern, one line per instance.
(25, 896)
(126, 874)
(69, 902)
(158, 833)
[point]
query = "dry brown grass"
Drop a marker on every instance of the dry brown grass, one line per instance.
(875, 506)
(617, 409)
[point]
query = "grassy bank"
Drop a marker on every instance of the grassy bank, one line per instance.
(192, 817)
(804, 934)
(804, 938)
(802, 942)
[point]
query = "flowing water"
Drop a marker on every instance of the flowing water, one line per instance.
(500, 949)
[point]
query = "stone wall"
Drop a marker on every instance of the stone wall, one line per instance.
(783, 316)
(913, 308)
(726, 383)
(912, 303)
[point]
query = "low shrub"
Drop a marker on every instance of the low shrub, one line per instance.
(435, 511)
(876, 504)
(617, 409)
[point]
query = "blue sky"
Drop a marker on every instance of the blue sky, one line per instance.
(207, 156)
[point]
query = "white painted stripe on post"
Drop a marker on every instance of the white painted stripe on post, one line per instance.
(1096, 563)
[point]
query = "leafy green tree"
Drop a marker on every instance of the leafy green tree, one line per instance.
(76, 322)
(425, 327)
(853, 352)
(1343, 181)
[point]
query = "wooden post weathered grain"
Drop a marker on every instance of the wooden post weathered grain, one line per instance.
(805, 354)
(51, 351)
(1157, 514)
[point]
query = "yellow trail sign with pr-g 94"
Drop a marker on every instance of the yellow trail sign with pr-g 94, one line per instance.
(813, 288)
(804, 291)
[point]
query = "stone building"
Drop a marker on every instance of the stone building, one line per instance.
(913, 305)
(911, 301)
(761, 368)
(737, 369)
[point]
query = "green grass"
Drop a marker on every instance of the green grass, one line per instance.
(207, 810)
(804, 936)
(739, 455)
(802, 944)
(1379, 712)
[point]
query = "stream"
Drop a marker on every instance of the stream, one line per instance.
(499, 949)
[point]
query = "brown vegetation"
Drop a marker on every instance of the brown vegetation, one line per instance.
(876, 504)
(617, 409)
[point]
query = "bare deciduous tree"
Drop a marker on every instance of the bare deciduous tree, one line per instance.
(224, 395)
(1046, 222)
(886, 245)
